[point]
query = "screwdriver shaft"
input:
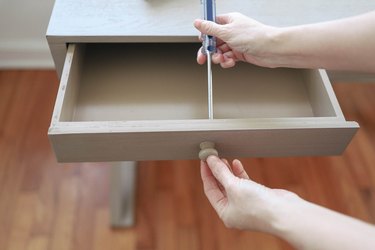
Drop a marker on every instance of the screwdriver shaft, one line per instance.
(209, 48)
(210, 97)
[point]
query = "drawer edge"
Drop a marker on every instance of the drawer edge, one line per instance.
(178, 145)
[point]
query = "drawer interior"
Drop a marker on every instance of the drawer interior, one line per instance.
(113, 82)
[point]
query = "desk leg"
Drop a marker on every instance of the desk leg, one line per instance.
(122, 193)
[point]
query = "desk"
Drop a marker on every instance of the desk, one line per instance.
(92, 43)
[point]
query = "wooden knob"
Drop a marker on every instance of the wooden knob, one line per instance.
(207, 149)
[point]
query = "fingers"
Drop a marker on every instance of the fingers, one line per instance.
(220, 19)
(224, 60)
(220, 170)
(208, 27)
(215, 195)
(217, 58)
(227, 163)
(238, 170)
(223, 56)
(227, 62)
(201, 58)
(223, 19)
(224, 47)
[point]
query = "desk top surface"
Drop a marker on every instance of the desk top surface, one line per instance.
(172, 20)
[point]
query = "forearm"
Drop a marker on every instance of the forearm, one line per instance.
(309, 226)
(346, 44)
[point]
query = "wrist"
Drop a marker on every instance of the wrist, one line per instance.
(282, 48)
(288, 214)
(278, 215)
(274, 51)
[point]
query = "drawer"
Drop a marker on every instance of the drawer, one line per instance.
(131, 102)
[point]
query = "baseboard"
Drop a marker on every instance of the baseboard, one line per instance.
(25, 54)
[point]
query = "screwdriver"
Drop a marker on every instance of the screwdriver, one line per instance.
(209, 47)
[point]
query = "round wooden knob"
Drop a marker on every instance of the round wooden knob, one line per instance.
(207, 149)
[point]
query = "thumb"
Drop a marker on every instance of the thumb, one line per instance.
(220, 170)
(208, 27)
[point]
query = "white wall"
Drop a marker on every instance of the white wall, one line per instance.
(23, 26)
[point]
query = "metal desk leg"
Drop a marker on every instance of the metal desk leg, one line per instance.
(122, 194)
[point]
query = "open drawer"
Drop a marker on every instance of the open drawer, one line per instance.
(120, 102)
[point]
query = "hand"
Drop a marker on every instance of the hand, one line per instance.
(335, 45)
(240, 202)
(239, 38)
(244, 204)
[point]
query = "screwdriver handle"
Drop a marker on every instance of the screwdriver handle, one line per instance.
(209, 14)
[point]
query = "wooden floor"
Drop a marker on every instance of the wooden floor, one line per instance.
(45, 205)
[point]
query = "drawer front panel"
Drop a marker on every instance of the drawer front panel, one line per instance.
(185, 145)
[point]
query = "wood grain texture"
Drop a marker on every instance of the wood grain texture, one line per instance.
(45, 205)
